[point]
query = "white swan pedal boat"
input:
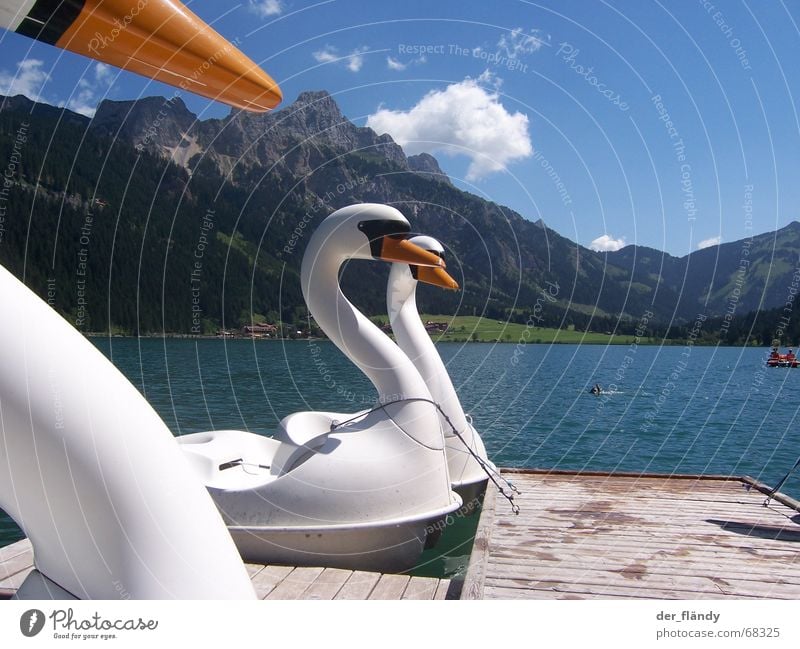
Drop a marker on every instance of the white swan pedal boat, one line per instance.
(359, 491)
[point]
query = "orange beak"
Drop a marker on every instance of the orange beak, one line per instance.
(160, 39)
(437, 277)
(403, 251)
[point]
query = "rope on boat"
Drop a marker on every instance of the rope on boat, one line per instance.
(487, 470)
(245, 465)
(492, 473)
(777, 487)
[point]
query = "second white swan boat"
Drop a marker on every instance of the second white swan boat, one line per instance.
(466, 454)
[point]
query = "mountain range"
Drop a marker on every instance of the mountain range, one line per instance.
(108, 218)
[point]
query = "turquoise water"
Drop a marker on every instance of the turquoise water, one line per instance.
(672, 409)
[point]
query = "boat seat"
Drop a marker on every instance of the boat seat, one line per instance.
(213, 454)
(300, 434)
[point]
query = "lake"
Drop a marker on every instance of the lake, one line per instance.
(668, 409)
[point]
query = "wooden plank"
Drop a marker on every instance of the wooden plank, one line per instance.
(442, 589)
(657, 559)
(328, 584)
(637, 574)
(691, 588)
(295, 583)
(649, 497)
(358, 586)
(640, 502)
(730, 534)
(421, 588)
(268, 578)
(761, 537)
(476, 569)
(16, 564)
(14, 549)
(701, 545)
(669, 493)
(390, 587)
(15, 581)
(579, 591)
(514, 474)
(253, 569)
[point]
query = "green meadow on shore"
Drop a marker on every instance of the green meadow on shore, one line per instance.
(480, 329)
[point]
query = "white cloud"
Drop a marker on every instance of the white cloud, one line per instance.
(326, 55)
(489, 78)
(463, 119)
(104, 73)
(30, 78)
(266, 8)
(353, 61)
(517, 42)
(393, 64)
(607, 243)
(707, 243)
(84, 99)
(356, 59)
(27, 81)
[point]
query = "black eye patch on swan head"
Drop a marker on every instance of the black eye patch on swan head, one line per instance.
(377, 229)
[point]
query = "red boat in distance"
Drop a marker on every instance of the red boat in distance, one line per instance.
(777, 359)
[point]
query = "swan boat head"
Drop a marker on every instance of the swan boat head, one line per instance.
(372, 232)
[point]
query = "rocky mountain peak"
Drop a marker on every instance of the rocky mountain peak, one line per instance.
(292, 137)
(155, 123)
(428, 166)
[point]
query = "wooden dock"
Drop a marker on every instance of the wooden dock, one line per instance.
(272, 582)
(579, 536)
(613, 536)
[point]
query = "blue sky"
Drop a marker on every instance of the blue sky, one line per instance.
(615, 122)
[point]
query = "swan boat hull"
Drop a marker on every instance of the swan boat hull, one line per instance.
(380, 546)
(248, 474)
